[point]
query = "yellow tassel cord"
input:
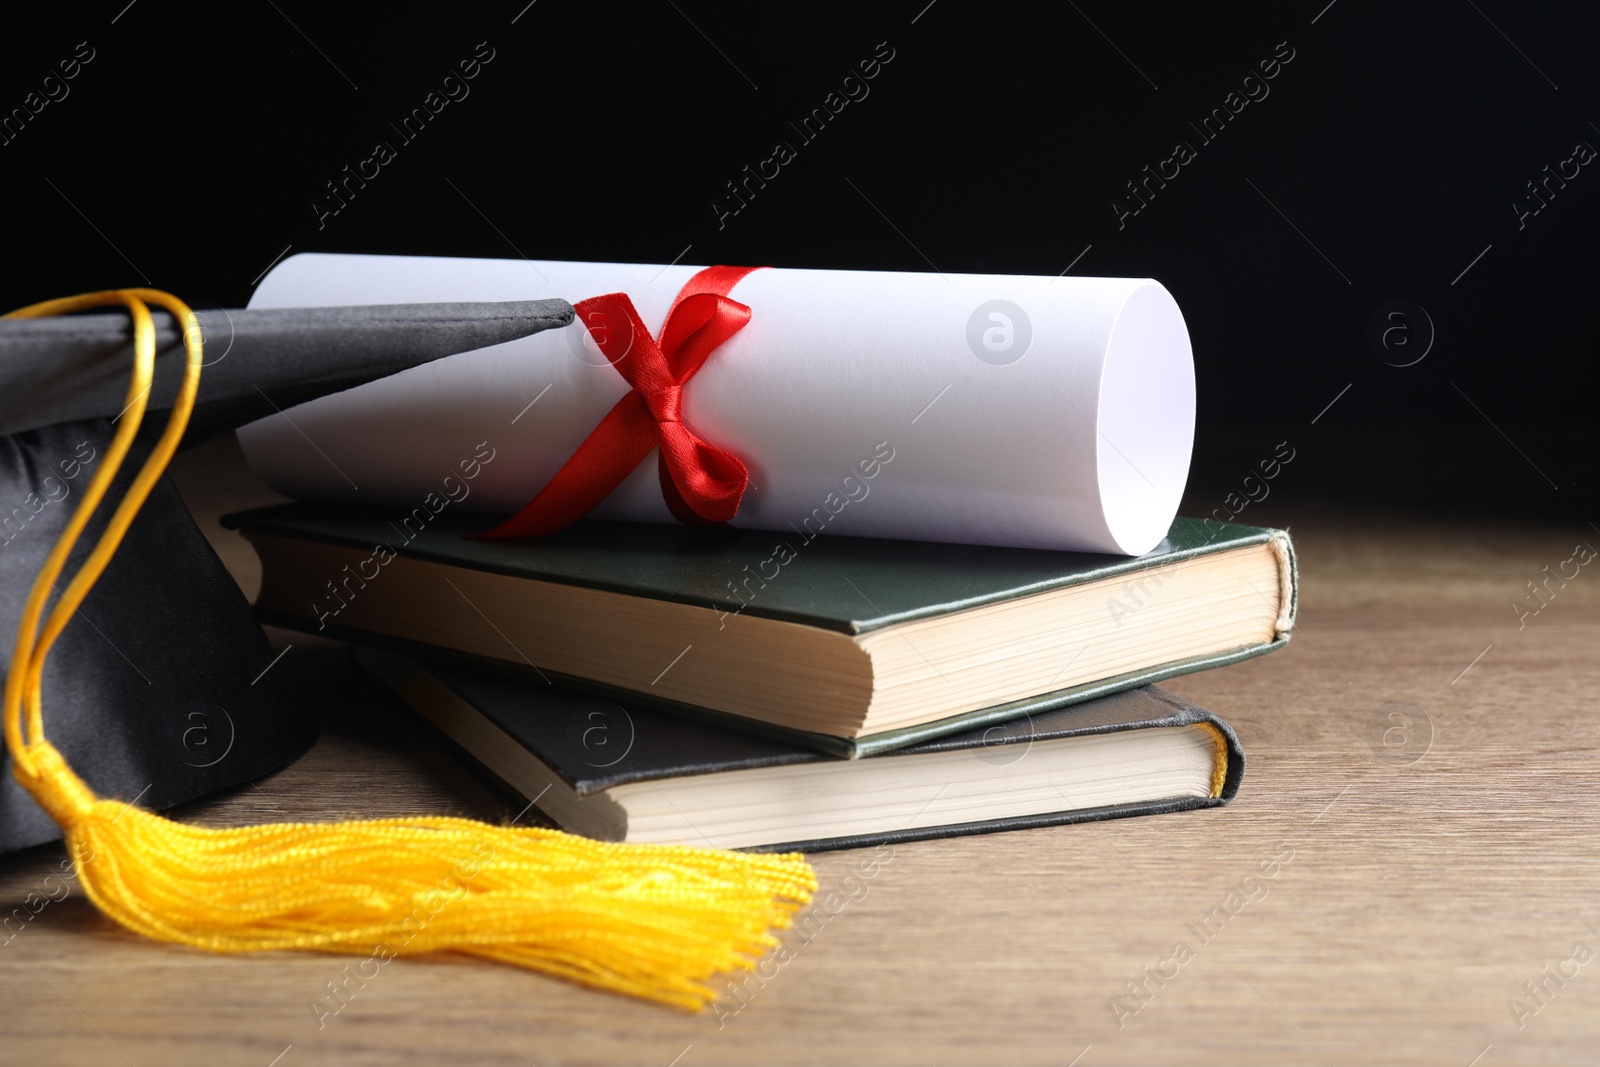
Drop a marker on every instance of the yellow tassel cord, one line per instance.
(648, 920)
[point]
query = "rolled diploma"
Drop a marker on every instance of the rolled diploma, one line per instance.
(1080, 443)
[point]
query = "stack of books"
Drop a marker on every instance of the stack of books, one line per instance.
(744, 689)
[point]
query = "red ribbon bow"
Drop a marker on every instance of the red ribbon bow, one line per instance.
(702, 484)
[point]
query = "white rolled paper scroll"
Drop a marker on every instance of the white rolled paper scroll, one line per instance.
(1007, 410)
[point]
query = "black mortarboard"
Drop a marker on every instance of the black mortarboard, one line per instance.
(156, 692)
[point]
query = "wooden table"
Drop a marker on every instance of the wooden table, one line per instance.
(1427, 867)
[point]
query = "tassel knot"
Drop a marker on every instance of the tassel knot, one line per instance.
(60, 792)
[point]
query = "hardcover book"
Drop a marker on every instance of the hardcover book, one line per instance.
(852, 645)
(629, 773)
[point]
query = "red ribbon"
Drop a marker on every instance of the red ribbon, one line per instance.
(702, 484)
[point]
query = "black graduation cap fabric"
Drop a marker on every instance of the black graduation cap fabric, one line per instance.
(154, 692)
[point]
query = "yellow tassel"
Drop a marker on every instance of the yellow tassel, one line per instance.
(652, 921)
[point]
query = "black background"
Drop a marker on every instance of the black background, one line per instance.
(190, 151)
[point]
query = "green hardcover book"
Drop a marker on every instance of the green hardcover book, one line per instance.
(850, 645)
(599, 768)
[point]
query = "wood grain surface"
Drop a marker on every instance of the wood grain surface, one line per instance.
(1422, 870)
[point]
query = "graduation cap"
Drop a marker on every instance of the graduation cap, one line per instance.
(155, 694)
(154, 689)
